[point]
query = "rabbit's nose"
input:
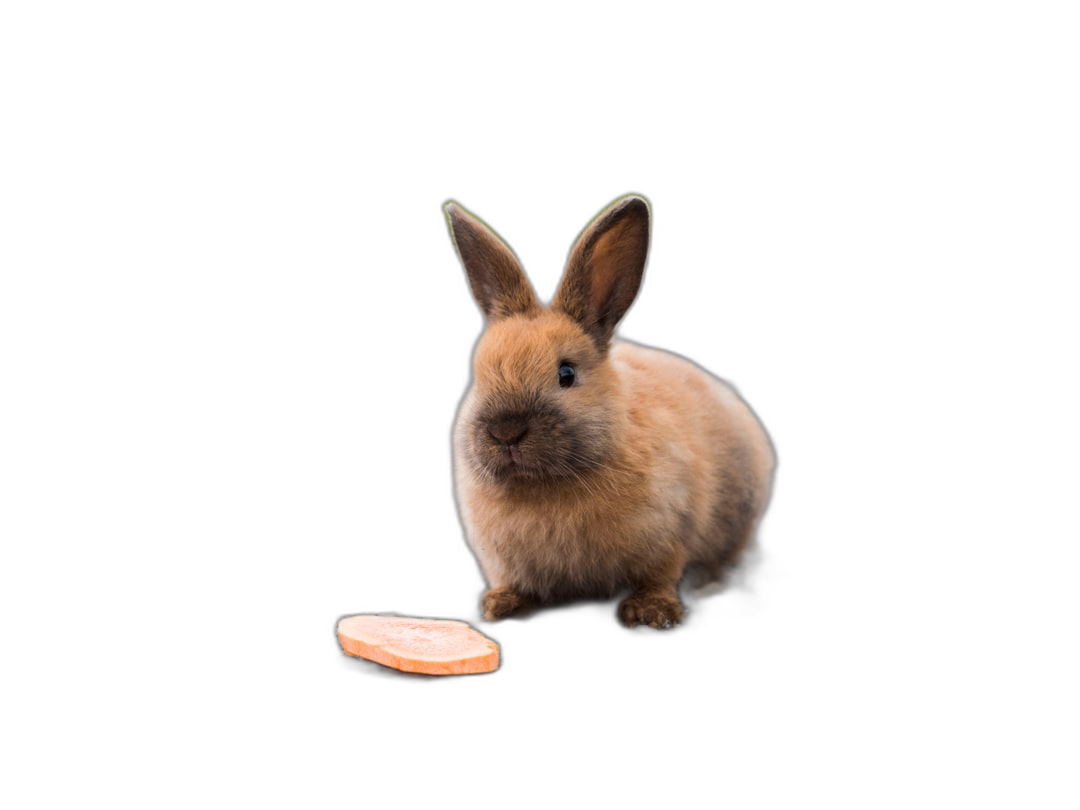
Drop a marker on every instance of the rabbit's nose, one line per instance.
(508, 430)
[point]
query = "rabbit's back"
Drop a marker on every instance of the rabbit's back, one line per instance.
(708, 455)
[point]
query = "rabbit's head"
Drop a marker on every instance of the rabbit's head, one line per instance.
(546, 403)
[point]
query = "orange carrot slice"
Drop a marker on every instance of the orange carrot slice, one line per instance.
(431, 646)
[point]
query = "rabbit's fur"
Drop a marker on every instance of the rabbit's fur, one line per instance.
(642, 467)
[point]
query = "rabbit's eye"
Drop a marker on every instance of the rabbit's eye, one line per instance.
(566, 375)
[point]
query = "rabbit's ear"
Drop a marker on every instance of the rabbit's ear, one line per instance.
(604, 270)
(497, 280)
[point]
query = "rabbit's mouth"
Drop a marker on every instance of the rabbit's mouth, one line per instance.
(511, 456)
(511, 461)
(537, 451)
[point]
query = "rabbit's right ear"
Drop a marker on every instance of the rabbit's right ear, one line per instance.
(498, 283)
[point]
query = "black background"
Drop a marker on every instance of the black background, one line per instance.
(353, 352)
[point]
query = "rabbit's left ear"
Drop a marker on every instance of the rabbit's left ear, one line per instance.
(498, 283)
(605, 268)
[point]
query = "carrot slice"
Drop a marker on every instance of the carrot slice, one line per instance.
(430, 646)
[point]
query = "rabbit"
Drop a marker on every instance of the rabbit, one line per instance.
(586, 467)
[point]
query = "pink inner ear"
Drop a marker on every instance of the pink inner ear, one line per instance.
(612, 253)
(604, 271)
(603, 289)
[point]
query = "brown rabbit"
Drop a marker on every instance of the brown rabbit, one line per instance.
(584, 467)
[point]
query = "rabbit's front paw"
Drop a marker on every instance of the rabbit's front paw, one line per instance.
(498, 603)
(656, 609)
